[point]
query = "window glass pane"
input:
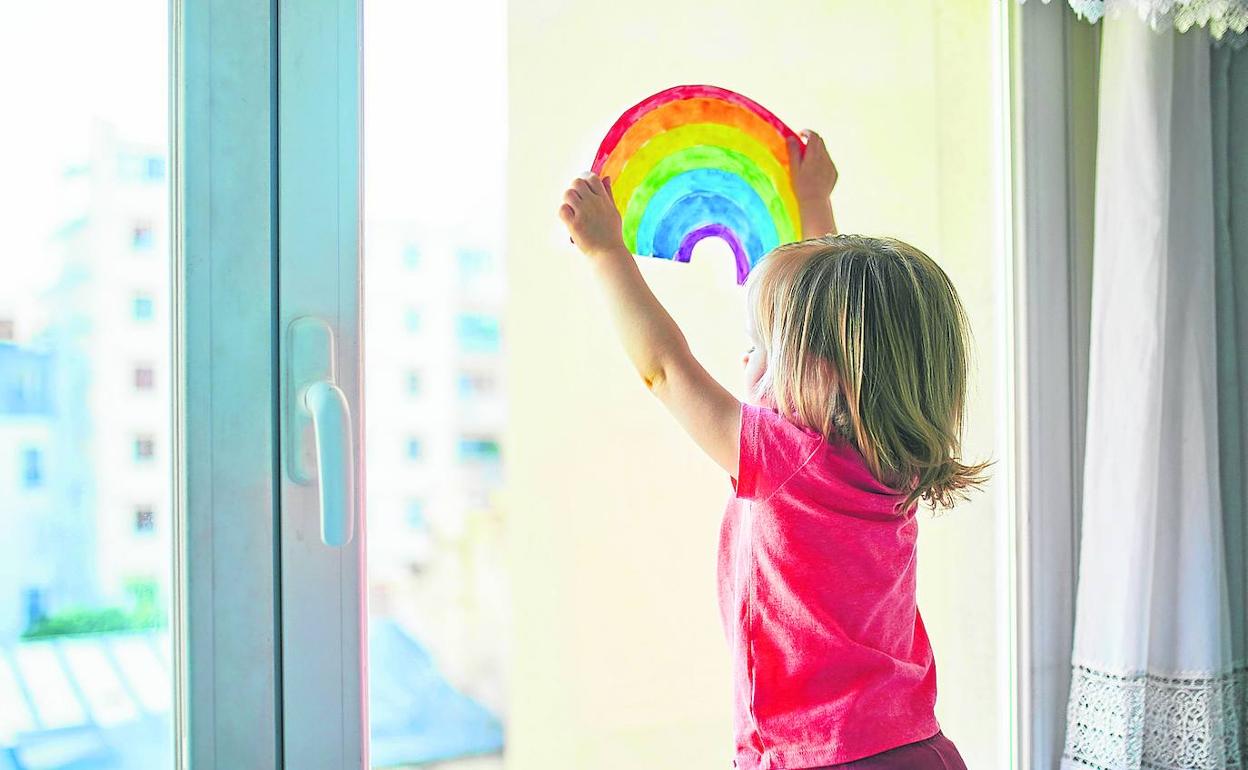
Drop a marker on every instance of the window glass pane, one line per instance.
(85, 401)
(478, 332)
(144, 308)
(144, 378)
(411, 320)
(433, 228)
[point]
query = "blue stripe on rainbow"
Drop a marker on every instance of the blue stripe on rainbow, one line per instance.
(685, 201)
(693, 162)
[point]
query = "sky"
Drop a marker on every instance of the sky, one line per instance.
(61, 63)
(435, 119)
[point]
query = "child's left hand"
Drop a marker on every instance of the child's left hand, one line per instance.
(590, 215)
(814, 173)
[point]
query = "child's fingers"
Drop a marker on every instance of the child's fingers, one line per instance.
(572, 197)
(582, 186)
(795, 151)
(592, 182)
(815, 141)
(567, 214)
(606, 187)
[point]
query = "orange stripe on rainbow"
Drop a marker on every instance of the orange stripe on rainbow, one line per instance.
(698, 110)
(699, 161)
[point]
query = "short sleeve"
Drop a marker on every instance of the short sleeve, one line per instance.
(772, 451)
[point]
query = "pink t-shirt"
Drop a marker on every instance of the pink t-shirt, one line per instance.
(817, 593)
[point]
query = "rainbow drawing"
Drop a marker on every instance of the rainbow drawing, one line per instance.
(697, 161)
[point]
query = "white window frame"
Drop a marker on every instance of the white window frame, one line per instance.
(226, 598)
(323, 610)
(268, 621)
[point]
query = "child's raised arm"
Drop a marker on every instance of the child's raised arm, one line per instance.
(814, 176)
(652, 340)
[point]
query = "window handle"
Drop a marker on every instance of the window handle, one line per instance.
(331, 422)
(317, 406)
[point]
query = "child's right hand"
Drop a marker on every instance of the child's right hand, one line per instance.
(591, 217)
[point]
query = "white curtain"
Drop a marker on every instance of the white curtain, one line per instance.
(1156, 680)
(1224, 19)
(1229, 97)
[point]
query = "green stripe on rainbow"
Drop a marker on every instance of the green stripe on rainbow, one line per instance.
(669, 155)
(714, 162)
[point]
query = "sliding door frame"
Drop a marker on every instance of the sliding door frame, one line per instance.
(227, 599)
(324, 609)
(269, 620)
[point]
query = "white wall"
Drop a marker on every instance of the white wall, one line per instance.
(617, 656)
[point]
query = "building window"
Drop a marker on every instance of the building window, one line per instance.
(477, 384)
(144, 378)
(415, 514)
(411, 256)
(476, 449)
(32, 468)
(478, 333)
(411, 320)
(36, 605)
(144, 593)
(141, 238)
(153, 168)
(143, 308)
(144, 520)
(144, 448)
(413, 383)
(415, 448)
(473, 262)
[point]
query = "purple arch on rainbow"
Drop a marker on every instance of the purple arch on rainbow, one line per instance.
(725, 234)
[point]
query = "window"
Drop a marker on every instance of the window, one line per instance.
(36, 605)
(144, 520)
(144, 378)
(140, 167)
(477, 384)
(411, 256)
(32, 468)
(141, 238)
(415, 448)
(411, 320)
(144, 448)
(413, 383)
(415, 514)
(478, 333)
(153, 168)
(143, 308)
(474, 262)
(82, 275)
(476, 449)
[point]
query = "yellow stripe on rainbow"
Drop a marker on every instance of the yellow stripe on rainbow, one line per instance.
(693, 162)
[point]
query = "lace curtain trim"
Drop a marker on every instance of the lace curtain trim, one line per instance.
(1150, 722)
(1226, 20)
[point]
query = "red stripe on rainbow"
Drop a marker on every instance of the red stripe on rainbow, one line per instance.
(678, 93)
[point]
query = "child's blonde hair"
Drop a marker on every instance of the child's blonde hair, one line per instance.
(866, 339)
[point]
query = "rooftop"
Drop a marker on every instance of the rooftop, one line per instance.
(102, 702)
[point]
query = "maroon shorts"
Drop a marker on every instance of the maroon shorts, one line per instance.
(935, 753)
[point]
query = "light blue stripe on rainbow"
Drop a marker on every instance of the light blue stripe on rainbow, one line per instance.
(696, 162)
(692, 202)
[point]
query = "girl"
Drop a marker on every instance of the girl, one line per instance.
(856, 383)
